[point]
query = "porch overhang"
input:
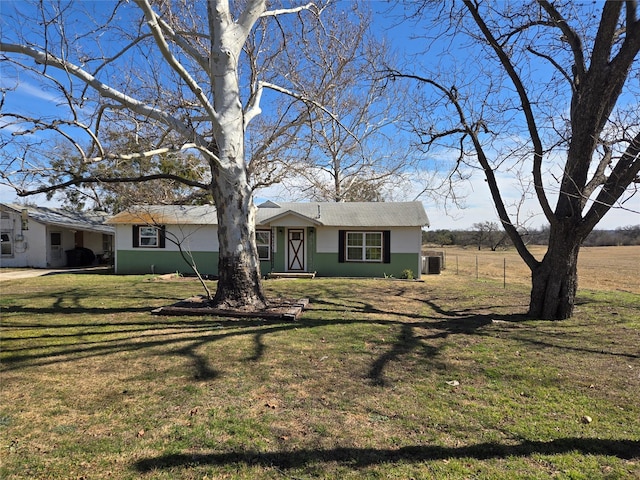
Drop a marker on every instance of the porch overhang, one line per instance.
(284, 220)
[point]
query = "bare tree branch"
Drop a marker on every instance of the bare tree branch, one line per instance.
(103, 179)
(104, 90)
(526, 105)
(285, 11)
(309, 100)
(156, 29)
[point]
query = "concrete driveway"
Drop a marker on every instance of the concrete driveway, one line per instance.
(17, 273)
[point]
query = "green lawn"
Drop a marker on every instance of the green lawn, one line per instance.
(378, 379)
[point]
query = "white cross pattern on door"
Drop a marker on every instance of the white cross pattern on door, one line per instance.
(296, 250)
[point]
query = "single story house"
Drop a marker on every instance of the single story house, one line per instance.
(359, 239)
(44, 237)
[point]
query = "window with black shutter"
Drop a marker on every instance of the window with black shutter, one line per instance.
(364, 246)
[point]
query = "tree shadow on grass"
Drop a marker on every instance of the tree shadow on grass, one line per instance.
(78, 339)
(187, 335)
(405, 343)
(365, 457)
(73, 301)
(58, 309)
(429, 332)
(429, 337)
(423, 329)
(556, 342)
(75, 338)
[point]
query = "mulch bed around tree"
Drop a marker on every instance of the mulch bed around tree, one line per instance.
(277, 309)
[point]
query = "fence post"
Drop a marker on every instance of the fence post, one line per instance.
(477, 274)
(504, 272)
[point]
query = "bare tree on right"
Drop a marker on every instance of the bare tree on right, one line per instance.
(549, 89)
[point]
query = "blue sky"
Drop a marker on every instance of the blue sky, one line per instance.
(478, 205)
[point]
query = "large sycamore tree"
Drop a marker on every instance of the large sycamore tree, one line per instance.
(550, 91)
(184, 75)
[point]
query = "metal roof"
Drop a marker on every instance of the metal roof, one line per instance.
(59, 217)
(346, 214)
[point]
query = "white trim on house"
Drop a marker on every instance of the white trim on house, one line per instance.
(322, 227)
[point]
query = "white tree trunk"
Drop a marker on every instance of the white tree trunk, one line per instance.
(238, 266)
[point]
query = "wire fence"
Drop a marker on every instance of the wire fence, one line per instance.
(599, 268)
(482, 266)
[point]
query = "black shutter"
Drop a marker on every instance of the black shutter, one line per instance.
(136, 235)
(162, 235)
(386, 246)
(272, 242)
(342, 234)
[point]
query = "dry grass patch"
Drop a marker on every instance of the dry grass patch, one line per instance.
(378, 379)
(599, 268)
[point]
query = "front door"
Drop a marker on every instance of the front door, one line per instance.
(295, 250)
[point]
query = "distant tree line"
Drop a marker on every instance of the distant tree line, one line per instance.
(489, 235)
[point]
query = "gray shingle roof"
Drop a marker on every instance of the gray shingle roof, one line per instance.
(351, 214)
(348, 214)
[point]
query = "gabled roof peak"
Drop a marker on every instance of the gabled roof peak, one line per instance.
(269, 204)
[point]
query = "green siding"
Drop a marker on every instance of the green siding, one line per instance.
(278, 257)
(310, 238)
(327, 265)
(324, 264)
(140, 261)
(266, 267)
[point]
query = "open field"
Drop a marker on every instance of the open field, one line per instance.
(599, 268)
(379, 379)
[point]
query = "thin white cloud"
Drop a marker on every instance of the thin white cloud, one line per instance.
(27, 89)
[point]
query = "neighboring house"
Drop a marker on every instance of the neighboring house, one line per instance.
(331, 239)
(43, 237)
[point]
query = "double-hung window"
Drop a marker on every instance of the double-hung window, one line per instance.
(263, 243)
(145, 236)
(149, 237)
(364, 247)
